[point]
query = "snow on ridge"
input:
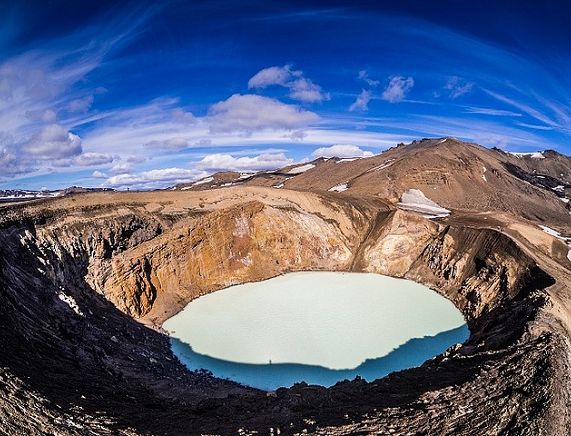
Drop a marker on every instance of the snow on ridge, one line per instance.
(533, 155)
(551, 232)
(348, 159)
(382, 166)
(414, 200)
(23, 195)
(557, 235)
(339, 188)
(70, 301)
(301, 169)
(203, 181)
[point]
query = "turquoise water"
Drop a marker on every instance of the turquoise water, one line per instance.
(317, 327)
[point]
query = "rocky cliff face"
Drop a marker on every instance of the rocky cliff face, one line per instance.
(76, 273)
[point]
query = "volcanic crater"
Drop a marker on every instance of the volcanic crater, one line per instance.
(86, 282)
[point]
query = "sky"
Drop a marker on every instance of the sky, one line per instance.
(143, 95)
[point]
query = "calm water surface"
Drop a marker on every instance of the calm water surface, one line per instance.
(317, 327)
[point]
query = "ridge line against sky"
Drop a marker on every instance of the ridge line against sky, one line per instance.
(144, 96)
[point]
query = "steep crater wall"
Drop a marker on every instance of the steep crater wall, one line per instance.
(151, 265)
(149, 268)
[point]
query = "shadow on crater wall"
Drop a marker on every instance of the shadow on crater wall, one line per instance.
(272, 376)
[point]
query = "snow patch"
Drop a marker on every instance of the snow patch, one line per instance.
(415, 201)
(484, 174)
(533, 155)
(278, 186)
(559, 188)
(551, 232)
(557, 235)
(244, 176)
(203, 181)
(382, 166)
(339, 188)
(348, 159)
(301, 169)
(70, 301)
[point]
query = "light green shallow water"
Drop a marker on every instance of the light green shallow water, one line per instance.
(318, 327)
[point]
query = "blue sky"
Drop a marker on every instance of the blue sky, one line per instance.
(145, 95)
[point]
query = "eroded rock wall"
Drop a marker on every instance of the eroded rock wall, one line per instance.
(478, 269)
(151, 267)
(58, 273)
(246, 243)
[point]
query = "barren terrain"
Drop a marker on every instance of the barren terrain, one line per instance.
(86, 281)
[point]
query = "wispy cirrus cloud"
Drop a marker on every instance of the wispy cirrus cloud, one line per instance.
(38, 92)
(492, 112)
(550, 120)
(90, 104)
(456, 87)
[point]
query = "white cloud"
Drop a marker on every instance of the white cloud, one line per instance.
(272, 76)
(53, 142)
(493, 112)
(122, 168)
(99, 175)
(364, 75)
(38, 85)
(175, 143)
(81, 104)
(306, 91)
(46, 116)
(341, 150)
(298, 135)
(92, 159)
(154, 178)
(135, 159)
(534, 126)
(181, 116)
(529, 110)
(9, 165)
(397, 88)
(300, 88)
(456, 87)
(265, 161)
(246, 113)
(362, 102)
